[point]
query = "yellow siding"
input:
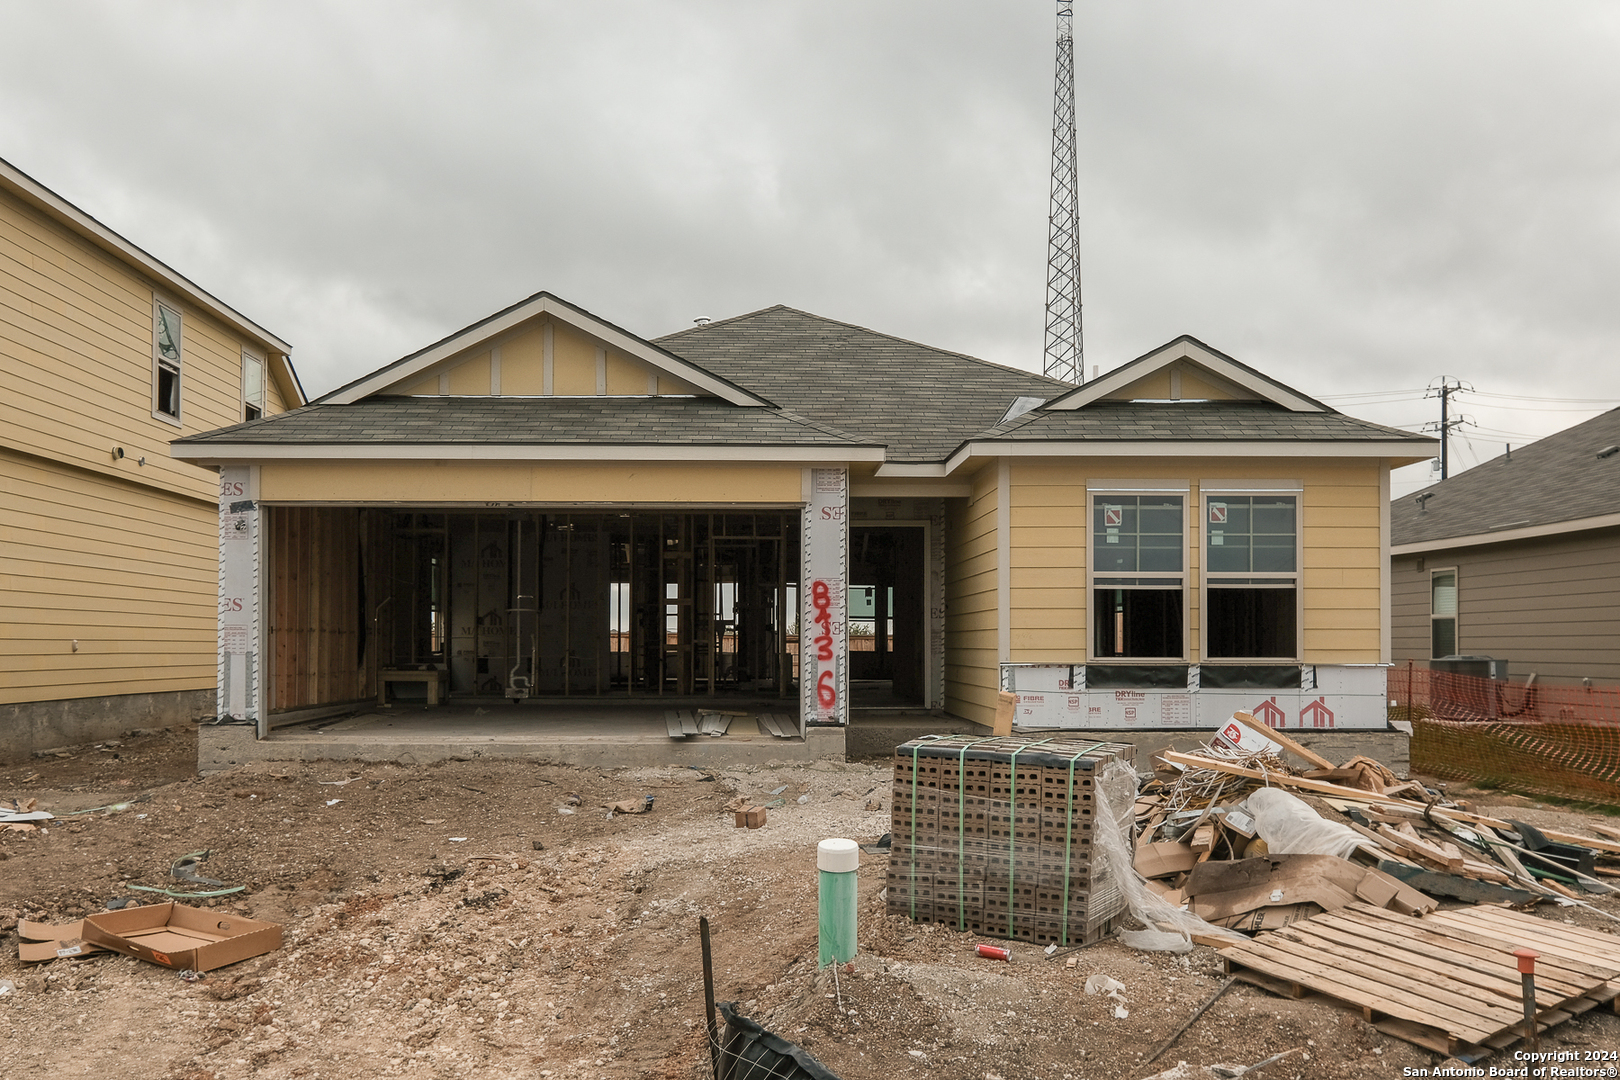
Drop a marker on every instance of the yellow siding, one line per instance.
(625, 376)
(1193, 385)
(76, 359)
(425, 388)
(573, 363)
(1341, 572)
(972, 670)
(471, 376)
(454, 482)
(129, 572)
(523, 364)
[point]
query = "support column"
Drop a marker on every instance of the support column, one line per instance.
(240, 694)
(823, 589)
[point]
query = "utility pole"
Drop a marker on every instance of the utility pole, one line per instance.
(1447, 387)
(1065, 345)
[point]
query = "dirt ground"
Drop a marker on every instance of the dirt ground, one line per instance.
(490, 919)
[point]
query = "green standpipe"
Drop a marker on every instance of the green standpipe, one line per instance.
(836, 862)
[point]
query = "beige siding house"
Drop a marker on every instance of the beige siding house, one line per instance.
(544, 508)
(108, 545)
(1517, 559)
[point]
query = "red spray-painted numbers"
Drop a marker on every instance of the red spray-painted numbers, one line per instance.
(826, 685)
(821, 600)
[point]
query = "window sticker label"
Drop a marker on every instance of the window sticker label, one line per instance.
(1217, 513)
(1113, 516)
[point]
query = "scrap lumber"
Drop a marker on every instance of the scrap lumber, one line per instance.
(1457, 887)
(1304, 752)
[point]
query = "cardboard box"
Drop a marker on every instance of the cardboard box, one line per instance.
(1164, 858)
(175, 936)
(39, 942)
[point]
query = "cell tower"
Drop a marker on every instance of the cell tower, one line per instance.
(1065, 346)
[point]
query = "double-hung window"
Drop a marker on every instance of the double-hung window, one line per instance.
(165, 362)
(1443, 613)
(1251, 575)
(1138, 576)
(252, 387)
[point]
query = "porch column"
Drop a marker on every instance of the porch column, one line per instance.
(239, 693)
(823, 587)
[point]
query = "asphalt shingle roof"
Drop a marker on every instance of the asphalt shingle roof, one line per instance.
(919, 401)
(1558, 479)
(667, 421)
(1194, 421)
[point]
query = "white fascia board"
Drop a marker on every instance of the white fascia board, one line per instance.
(216, 453)
(43, 198)
(1399, 452)
(1502, 536)
(1122, 377)
(544, 304)
(281, 370)
(892, 469)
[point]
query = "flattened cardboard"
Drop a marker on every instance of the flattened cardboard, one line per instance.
(42, 941)
(175, 936)
(1219, 891)
(1164, 858)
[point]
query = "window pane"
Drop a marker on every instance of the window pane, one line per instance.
(1444, 596)
(1251, 533)
(1444, 639)
(168, 334)
(1252, 622)
(1132, 533)
(1136, 622)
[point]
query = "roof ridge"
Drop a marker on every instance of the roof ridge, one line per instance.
(875, 333)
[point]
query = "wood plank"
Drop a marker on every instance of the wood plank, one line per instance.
(1303, 752)
(672, 724)
(1572, 942)
(1463, 930)
(689, 723)
(1361, 985)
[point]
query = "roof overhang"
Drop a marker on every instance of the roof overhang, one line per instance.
(1185, 348)
(1398, 453)
(252, 453)
(535, 306)
(1502, 536)
(59, 209)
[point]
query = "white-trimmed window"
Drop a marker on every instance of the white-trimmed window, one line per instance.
(1252, 596)
(1443, 613)
(1138, 576)
(252, 386)
(166, 345)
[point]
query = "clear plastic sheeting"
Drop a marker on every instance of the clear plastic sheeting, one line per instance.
(1290, 827)
(1168, 927)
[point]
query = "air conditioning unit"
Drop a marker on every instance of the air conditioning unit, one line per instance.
(1462, 687)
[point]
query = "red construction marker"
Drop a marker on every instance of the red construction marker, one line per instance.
(994, 953)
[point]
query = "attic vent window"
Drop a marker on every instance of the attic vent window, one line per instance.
(1020, 406)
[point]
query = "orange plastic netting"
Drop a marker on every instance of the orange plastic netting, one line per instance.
(1562, 741)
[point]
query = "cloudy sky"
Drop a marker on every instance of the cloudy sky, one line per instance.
(1357, 198)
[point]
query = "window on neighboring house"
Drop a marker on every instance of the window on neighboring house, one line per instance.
(1443, 613)
(1138, 577)
(252, 387)
(1251, 577)
(165, 362)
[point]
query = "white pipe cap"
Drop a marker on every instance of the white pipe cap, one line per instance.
(838, 856)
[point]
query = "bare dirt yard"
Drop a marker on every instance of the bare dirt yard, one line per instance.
(490, 919)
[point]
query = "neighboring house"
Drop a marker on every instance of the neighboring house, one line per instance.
(108, 545)
(1517, 559)
(546, 505)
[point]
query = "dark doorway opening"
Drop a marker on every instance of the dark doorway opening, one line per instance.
(886, 610)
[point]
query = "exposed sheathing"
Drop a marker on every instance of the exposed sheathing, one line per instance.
(315, 556)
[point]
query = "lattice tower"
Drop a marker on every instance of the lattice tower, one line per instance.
(1065, 345)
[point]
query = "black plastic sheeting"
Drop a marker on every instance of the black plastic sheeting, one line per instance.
(749, 1052)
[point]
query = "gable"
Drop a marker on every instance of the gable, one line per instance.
(544, 357)
(542, 347)
(1181, 380)
(1186, 370)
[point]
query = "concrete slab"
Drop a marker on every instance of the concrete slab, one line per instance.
(595, 734)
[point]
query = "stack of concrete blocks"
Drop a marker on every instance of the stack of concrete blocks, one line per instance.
(996, 837)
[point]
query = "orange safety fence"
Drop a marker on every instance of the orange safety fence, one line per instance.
(1562, 741)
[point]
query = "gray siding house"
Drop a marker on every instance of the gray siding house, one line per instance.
(1517, 559)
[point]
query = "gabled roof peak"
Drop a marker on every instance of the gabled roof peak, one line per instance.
(1183, 351)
